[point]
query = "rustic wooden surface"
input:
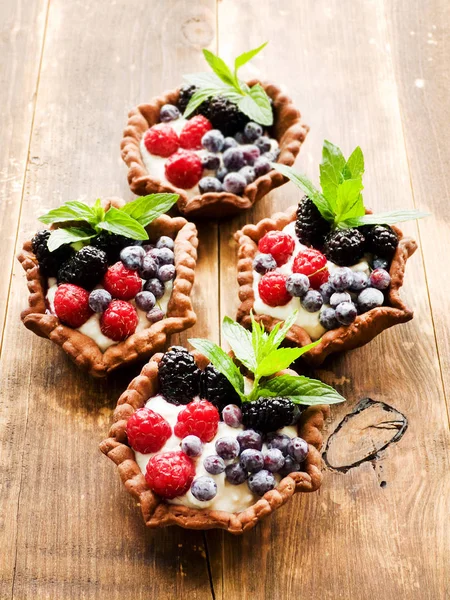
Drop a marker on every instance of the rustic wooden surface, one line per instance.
(374, 73)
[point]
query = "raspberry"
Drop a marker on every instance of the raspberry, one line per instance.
(72, 305)
(119, 320)
(279, 245)
(184, 169)
(272, 289)
(312, 263)
(193, 131)
(147, 431)
(200, 418)
(121, 282)
(170, 474)
(161, 140)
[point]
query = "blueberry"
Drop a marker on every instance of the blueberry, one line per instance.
(272, 155)
(273, 460)
(339, 297)
(209, 184)
(214, 464)
(327, 291)
(261, 482)
(163, 256)
(249, 439)
(278, 441)
(145, 301)
(155, 315)
(369, 298)
(149, 267)
(99, 300)
(290, 466)
(264, 144)
(234, 183)
(227, 447)
(380, 263)
(233, 159)
(252, 131)
(298, 449)
(213, 140)
(346, 313)
(204, 488)
(169, 112)
(221, 173)
(232, 415)
(210, 162)
(359, 281)
(166, 273)
(327, 318)
(251, 153)
(192, 445)
(229, 142)
(252, 460)
(235, 474)
(248, 173)
(262, 263)
(156, 287)
(312, 301)
(297, 285)
(341, 279)
(261, 166)
(165, 242)
(132, 257)
(380, 279)
(240, 137)
(147, 247)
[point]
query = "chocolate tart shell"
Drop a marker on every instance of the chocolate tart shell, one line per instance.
(288, 129)
(364, 328)
(140, 346)
(158, 513)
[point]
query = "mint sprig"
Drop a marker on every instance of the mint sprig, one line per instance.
(340, 201)
(129, 221)
(252, 101)
(260, 353)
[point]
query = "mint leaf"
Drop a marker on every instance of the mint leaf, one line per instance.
(278, 333)
(59, 237)
(148, 208)
(333, 163)
(355, 164)
(240, 340)
(349, 202)
(223, 363)
(301, 390)
(280, 359)
(204, 80)
(98, 211)
(198, 98)
(385, 218)
(259, 338)
(220, 68)
(332, 154)
(245, 57)
(117, 221)
(70, 211)
(256, 105)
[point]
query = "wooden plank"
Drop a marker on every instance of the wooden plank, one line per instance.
(372, 532)
(420, 51)
(22, 28)
(69, 529)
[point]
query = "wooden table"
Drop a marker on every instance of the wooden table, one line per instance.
(368, 72)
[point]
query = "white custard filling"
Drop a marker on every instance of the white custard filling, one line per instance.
(307, 320)
(229, 497)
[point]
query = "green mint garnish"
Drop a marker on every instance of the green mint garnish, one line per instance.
(129, 221)
(253, 102)
(340, 201)
(260, 353)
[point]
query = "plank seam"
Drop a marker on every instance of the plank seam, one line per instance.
(208, 566)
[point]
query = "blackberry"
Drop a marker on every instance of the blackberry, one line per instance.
(49, 262)
(216, 388)
(179, 376)
(310, 227)
(381, 240)
(112, 244)
(186, 93)
(86, 268)
(344, 246)
(268, 414)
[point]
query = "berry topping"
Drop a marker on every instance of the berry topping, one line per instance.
(166, 273)
(229, 142)
(193, 132)
(49, 262)
(210, 162)
(85, 268)
(111, 243)
(339, 297)
(251, 460)
(298, 449)
(232, 415)
(204, 488)
(163, 256)
(119, 320)
(199, 418)
(165, 242)
(156, 287)
(169, 112)
(272, 289)
(216, 388)
(192, 445)
(233, 159)
(161, 140)
(380, 279)
(263, 263)
(235, 474)
(261, 166)
(149, 267)
(252, 131)
(234, 183)
(99, 300)
(369, 298)
(248, 173)
(221, 173)
(184, 169)
(170, 474)
(261, 482)
(346, 313)
(264, 144)
(132, 257)
(273, 460)
(327, 291)
(213, 140)
(145, 301)
(381, 240)
(359, 281)
(209, 184)
(380, 263)
(214, 464)
(313, 264)
(327, 318)
(310, 227)
(341, 279)
(279, 441)
(344, 246)
(249, 439)
(147, 431)
(280, 245)
(268, 414)
(297, 284)
(179, 377)
(72, 305)
(312, 301)
(227, 447)
(121, 282)
(290, 466)
(251, 154)
(155, 315)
